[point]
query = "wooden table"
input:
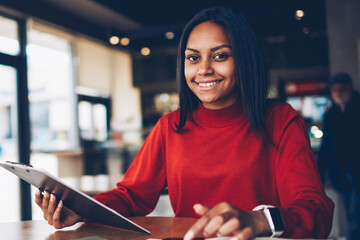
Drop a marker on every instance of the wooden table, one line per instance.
(160, 227)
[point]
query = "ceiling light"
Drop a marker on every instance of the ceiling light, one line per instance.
(145, 51)
(299, 14)
(169, 35)
(125, 41)
(114, 40)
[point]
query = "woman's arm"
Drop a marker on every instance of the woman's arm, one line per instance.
(139, 191)
(306, 209)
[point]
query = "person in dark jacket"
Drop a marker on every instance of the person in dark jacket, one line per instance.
(339, 156)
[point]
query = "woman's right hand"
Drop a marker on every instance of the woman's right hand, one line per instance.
(55, 213)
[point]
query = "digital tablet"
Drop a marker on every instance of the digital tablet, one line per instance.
(73, 199)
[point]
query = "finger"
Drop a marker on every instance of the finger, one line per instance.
(229, 227)
(38, 197)
(246, 233)
(212, 227)
(200, 209)
(57, 214)
(197, 228)
(51, 208)
(45, 203)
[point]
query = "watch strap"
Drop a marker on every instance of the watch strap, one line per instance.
(275, 220)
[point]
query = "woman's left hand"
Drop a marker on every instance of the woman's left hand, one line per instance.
(227, 220)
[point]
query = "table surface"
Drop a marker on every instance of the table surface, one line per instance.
(160, 227)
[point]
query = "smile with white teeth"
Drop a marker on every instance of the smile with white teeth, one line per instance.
(208, 84)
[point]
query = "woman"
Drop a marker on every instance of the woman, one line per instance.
(226, 150)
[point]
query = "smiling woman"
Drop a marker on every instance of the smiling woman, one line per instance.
(239, 161)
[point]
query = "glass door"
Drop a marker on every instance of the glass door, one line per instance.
(9, 183)
(94, 114)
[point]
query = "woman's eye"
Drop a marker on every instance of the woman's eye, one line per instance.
(192, 58)
(221, 56)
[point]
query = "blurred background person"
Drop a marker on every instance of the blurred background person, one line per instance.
(339, 154)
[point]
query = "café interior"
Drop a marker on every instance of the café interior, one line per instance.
(83, 82)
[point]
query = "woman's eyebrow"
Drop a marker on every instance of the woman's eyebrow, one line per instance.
(219, 47)
(191, 49)
(212, 49)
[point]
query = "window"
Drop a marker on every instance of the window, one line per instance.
(9, 183)
(9, 43)
(51, 92)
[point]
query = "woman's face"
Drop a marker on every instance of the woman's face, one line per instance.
(209, 66)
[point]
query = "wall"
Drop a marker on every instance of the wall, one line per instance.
(94, 65)
(109, 70)
(126, 99)
(343, 30)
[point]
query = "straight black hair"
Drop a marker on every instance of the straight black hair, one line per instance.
(251, 72)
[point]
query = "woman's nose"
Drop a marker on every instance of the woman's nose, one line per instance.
(205, 68)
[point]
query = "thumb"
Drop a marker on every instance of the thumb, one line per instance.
(200, 209)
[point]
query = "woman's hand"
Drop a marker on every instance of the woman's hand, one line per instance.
(227, 220)
(56, 214)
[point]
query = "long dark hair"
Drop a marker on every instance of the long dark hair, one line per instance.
(251, 72)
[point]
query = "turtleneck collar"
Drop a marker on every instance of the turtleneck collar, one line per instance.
(219, 117)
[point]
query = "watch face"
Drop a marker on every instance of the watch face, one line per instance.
(277, 219)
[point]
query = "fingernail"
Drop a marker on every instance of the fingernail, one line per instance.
(60, 204)
(37, 192)
(196, 206)
(52, 197)
(189, 235)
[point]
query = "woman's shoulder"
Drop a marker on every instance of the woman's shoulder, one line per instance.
(277, 108)
(165, 124)
(169, 119)
(280, 112)
(279, 117)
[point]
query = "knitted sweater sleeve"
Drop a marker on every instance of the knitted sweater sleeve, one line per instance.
(306, 210)
(139, 191)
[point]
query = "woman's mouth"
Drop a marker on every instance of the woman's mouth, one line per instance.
(208, 84)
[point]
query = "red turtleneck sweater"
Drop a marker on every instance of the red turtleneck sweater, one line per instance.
(216, 157)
